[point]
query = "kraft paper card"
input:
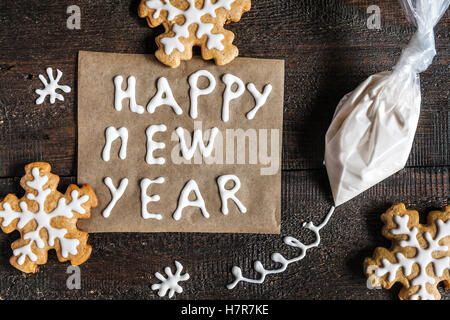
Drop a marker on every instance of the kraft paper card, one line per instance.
(191, 149)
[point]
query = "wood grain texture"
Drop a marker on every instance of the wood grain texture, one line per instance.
(328, 51)
(327, 48)
(122, 265)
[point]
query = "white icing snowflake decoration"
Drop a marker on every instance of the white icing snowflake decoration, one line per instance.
(46, 219)
(192, 15)
(171, 282)
(51, 87)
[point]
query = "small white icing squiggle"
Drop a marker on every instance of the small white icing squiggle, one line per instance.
(278, 258)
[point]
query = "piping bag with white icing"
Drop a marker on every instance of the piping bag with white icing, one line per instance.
(373, 128)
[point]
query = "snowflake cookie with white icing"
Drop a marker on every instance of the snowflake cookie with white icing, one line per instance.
(46, 219)
(191, 23)
(419, 257)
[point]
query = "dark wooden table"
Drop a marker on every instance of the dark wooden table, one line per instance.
(328, 51)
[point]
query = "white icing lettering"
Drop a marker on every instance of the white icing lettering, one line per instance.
(195, 91)
(130, 93)
(226, 194)
(197, 142)
(163, 96)
(184, 201)
(154, 145)
(111, 135)
(229, 94)
(146, 199)
(115, 193)
(260, 98)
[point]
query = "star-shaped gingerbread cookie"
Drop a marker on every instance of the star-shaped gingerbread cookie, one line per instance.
(46, 219)
(419, 257)
(189, 23)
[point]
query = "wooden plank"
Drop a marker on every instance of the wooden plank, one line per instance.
(122, 266)
(328, 51)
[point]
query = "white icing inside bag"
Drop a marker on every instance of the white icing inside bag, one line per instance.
(373, 128)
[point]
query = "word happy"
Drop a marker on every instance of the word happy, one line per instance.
(189, 144)
(164, 95)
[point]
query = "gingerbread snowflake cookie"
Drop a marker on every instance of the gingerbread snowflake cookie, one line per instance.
(191, 23)
(419, 257)
(46, 219)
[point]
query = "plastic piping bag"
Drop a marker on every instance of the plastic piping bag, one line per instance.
(373, 128)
